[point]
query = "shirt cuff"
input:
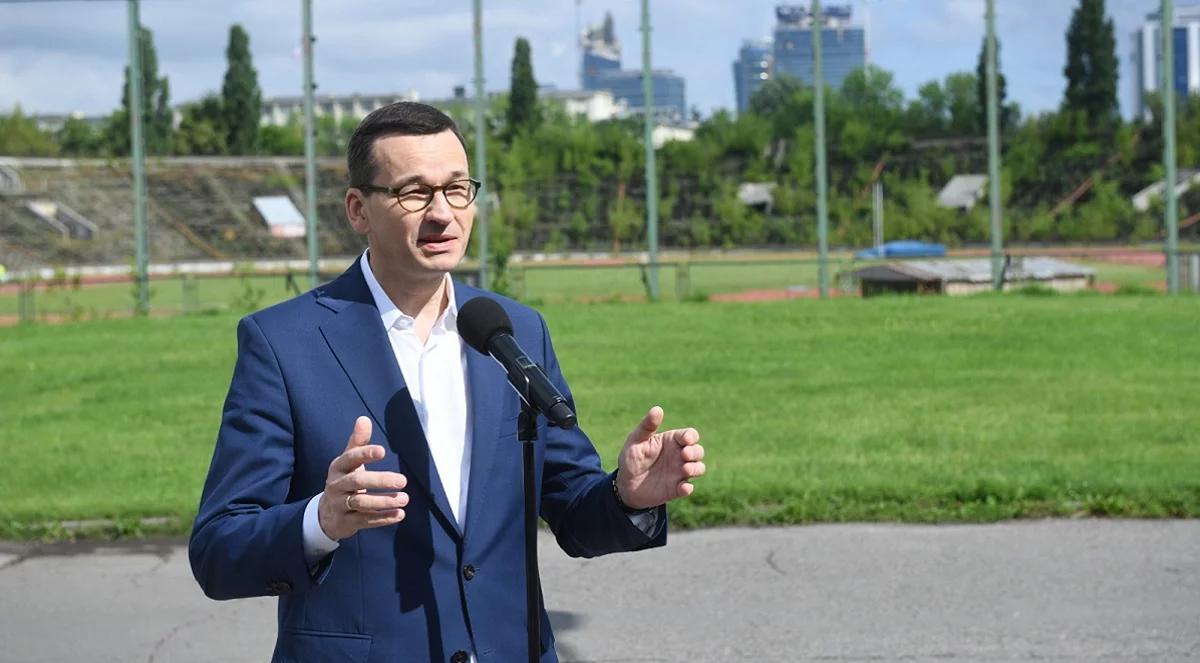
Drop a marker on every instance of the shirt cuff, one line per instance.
(316, 544)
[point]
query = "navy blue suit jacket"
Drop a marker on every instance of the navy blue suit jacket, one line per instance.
(305, 370)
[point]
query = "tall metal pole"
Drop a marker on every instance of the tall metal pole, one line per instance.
(310, 147)
(1168, 128)
(819, 146)
(651, 169)
(993, 129)
(137, 157)
(481, 205)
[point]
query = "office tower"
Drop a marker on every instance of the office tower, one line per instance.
(751, 70)
(601, 70)
(670, 98)
(1148, 56)
(843, 45)
(601, 54)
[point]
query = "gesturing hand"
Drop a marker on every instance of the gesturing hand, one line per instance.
(346, 506)
(655, 468)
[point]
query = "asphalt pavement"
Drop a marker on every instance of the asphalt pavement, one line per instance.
(1055, 590)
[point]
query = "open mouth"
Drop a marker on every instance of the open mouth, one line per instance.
(436, 243)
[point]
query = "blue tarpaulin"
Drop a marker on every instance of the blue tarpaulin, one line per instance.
(904, 248)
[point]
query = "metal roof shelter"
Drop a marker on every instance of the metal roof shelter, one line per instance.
(757, 194)
(966, 276)
(962, 191)
(1184, 180)
(281, 215)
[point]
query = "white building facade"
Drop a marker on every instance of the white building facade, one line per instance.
(1148, 58)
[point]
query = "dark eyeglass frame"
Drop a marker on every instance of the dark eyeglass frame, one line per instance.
(395, 191)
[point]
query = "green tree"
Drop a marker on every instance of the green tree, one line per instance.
(1091, 68)
(287, 140)
(79, 138)
(202, 128)
(1006, 114)
(784, 101)
(522, 96)
(241, 98)
(332, 136)
(21, 137)
(927, 115)
(157, 117)
(962, 103)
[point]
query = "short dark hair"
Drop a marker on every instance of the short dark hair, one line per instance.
(403, 118)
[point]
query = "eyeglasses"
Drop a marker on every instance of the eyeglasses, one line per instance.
(415, 197)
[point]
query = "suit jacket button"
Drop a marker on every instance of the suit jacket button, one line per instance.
(468, 572)
(460, 656)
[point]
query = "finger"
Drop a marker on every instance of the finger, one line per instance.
(368, 480)
(379, 518)
(367, 503)
(352, 459)
(361, 434)
(684, 437)
(684, 489)
(692, 453)
(648, 424)
(693, 470)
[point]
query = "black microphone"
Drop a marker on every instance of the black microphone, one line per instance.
(485, 327)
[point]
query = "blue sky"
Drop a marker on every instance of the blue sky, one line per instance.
(69, 56)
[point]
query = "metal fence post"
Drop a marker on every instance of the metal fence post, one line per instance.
(683, 280)
(189, 299)
(25, 304)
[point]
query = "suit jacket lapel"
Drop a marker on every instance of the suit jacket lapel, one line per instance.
(488, 387)
(357, 338)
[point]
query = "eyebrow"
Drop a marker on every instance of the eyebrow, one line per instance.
(410, 179)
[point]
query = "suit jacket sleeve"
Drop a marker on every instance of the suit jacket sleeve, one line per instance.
(577, 500)
(247, 539)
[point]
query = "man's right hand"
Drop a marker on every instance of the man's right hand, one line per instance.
(346, 506)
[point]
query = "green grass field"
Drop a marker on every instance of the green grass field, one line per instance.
(550, 284)
(913, 409)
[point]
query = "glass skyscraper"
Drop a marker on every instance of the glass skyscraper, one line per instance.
(843, 46)
(751, 70)
(601, 70)
(670, 100)
(1148, 56)
(601, 54)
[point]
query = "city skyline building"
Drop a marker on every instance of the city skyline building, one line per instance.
(789, 51)
(843, 44)
(1147, 57)
(600, 69)
(601, 53)
(751, 70)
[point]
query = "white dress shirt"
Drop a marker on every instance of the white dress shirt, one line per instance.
(435, 372)
(436, 375)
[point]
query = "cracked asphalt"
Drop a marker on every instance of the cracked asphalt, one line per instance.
(1064, 590)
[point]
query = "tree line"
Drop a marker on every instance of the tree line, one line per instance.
(562, 182)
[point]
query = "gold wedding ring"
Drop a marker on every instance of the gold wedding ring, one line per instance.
(348, 505)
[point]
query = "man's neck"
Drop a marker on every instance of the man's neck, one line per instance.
(423, 300)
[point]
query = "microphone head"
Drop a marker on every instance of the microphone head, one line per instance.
(479, 320)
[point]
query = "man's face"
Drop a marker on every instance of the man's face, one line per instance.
(421, 245)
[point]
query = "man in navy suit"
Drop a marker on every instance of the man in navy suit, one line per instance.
(405, 542)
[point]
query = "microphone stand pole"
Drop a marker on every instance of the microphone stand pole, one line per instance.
(527, 433)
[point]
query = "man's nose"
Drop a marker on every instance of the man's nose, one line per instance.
(439, 210)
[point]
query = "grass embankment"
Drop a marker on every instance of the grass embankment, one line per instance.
(913, 409)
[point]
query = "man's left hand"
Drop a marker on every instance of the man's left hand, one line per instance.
(655, 468)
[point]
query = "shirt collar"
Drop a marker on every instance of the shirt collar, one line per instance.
(391, 315)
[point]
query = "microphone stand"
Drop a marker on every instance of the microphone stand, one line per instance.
(527, 434)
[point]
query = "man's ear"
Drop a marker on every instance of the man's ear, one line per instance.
(356, 211)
